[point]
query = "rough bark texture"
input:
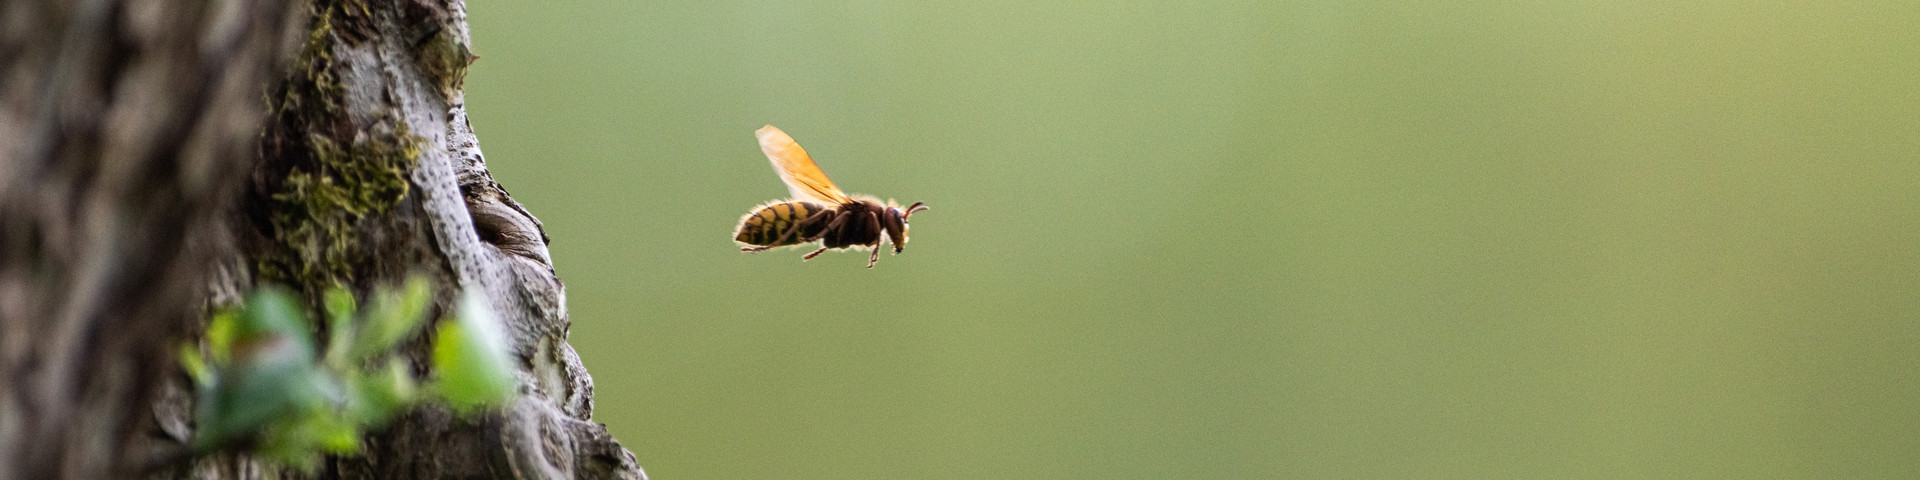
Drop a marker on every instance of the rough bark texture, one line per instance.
(130, 129)
(125, 127)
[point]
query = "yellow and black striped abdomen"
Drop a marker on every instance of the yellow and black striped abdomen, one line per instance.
(765, 225)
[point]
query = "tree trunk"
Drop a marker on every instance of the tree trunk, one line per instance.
(125, 129)
(144, 180)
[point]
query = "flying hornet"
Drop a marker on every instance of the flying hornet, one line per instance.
(818, 210)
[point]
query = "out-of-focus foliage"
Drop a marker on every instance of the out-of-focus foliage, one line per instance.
(469, 356)
(263, 388)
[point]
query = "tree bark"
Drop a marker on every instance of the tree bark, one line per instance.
(144, 180)
(125, 128)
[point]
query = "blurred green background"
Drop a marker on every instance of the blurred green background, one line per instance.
(1586, 239)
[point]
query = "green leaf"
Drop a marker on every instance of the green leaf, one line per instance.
(332, 433)
(292, 442)
(340, 309)
(380, 395)
(275, 379)
(272, 310)
(268, 371)
(308, 419)
(265, 392)
(220, 332)
(393, 317)
(195, 365)
(471, 355)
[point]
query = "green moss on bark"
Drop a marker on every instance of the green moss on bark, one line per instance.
(323, 177)
(318, 210)
(444, 59)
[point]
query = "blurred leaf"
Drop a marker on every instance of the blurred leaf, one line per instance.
(269, 371)
(281, 449)
(377, 396)
(272, 310)
(470, 354)
(393, 317)
(220, 331)
(195, 365)
(340, 310)
(271, 397)
(276, 377)
(333, 433)
(296, 441)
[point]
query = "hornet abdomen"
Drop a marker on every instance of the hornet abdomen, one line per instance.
(766, 225)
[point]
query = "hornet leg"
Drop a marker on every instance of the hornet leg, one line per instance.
(837, 221)
(831, 226)
(873, 225)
